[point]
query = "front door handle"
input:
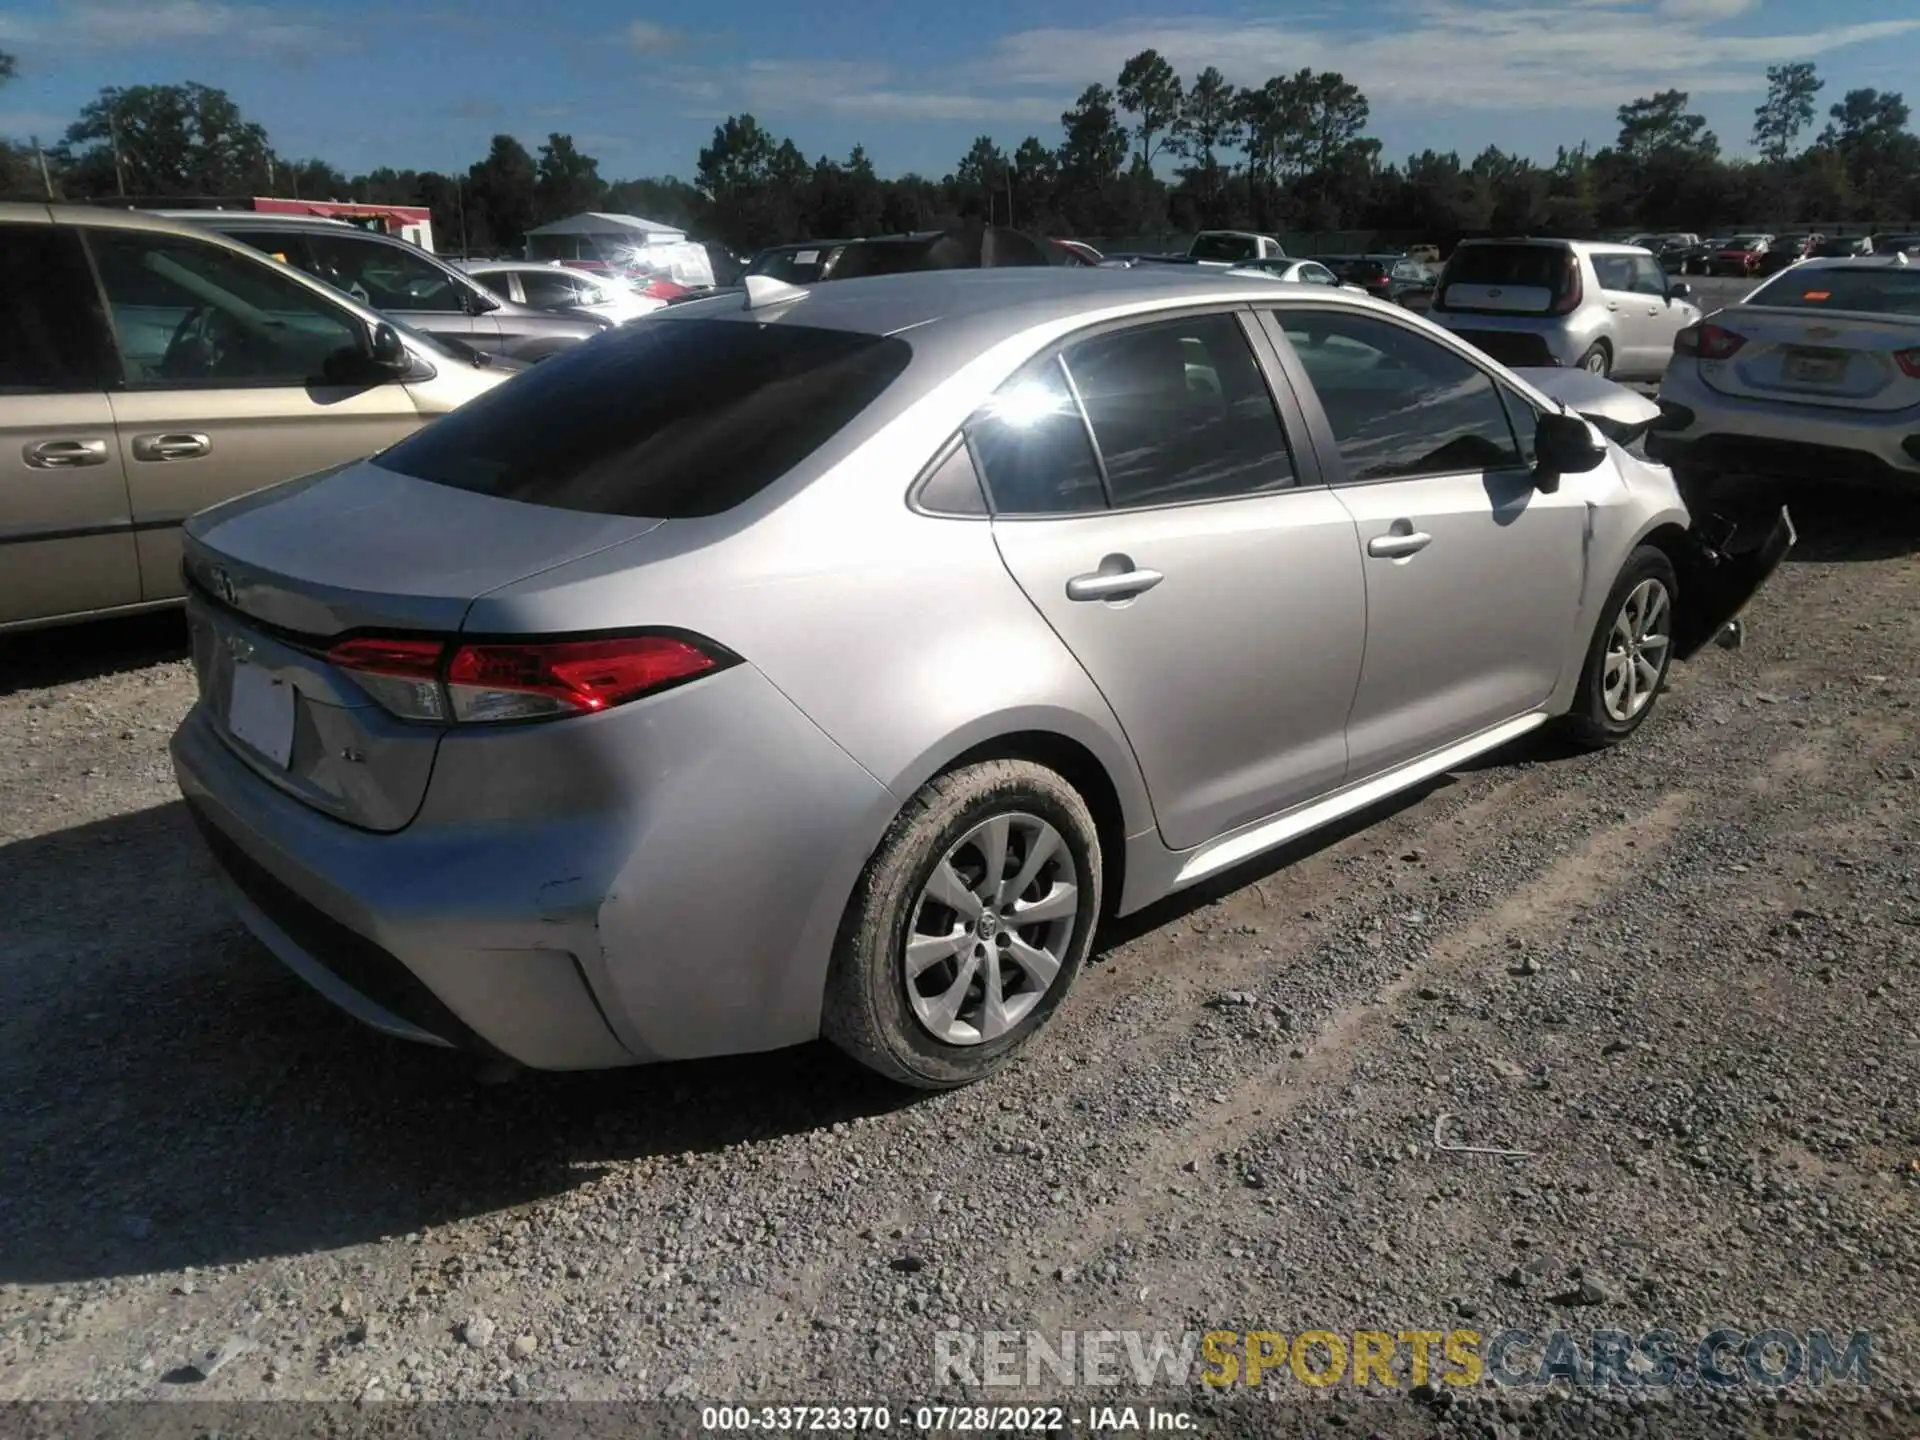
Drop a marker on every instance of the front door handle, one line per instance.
(174, 445)
(1398, 547)
(64, 454)
(1113, 584)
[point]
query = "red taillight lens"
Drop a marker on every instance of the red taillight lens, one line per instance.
(1575, 289)
(1909, 362)
(439, 681)
(1707, 342)
(402, 674)
(568, 677)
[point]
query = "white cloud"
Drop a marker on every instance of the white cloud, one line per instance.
(846, 87)
(98, 25)
(1450, 55)
(1706, 9)
(647, 37)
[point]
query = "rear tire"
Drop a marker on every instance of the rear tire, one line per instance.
(936, 994)
(1629, 655)
(1598, 360)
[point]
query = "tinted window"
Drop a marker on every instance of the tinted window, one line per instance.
(548, 292)
(1538, 266)
(1224, 247)
(1870, 289)
(51, 335)
(495, 283)
(1031, 444)
(1180, 412)
(188, 313)
(952, 487)
(387, 277)
(674, 419)
(1614, 272)
(1317, 275)
(1648, 277)
(1399, 403)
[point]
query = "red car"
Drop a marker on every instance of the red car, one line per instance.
(1740, 255)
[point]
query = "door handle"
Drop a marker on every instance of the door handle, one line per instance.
(64, 454)
(1398, 547)
(1112, 584)
(177, 445)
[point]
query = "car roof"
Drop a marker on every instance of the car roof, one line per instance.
(270, 217)
(1885, 260)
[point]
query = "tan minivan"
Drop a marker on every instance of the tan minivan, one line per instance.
(149, 369)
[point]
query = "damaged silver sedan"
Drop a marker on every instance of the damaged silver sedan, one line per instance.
(835, 662)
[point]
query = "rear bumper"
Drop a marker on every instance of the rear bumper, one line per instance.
(1709, 435)
(1515, 346)
(661, 881)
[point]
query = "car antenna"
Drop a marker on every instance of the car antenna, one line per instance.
(763, 292)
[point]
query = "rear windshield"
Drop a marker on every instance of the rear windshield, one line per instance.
(667, 418)
(795, 267)
(1224, 247)
(1872, 290)
(1542, 267)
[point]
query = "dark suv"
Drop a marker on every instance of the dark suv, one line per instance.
(404, 281)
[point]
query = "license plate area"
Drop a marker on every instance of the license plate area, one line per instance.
(260, 712)
(1816, 367)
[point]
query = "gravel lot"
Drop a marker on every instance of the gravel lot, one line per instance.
(1681, 975)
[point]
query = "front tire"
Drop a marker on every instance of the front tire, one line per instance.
(1598, 360)
(1631, 651)
(968, 925)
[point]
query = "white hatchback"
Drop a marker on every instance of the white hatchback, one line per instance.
(556, 287)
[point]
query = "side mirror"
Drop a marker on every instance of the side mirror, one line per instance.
(381, 358)
(1679, 290)
(1563, 445)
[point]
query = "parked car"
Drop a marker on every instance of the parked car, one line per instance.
(1816, 373)
(1081, 251)
(670, 756)
(797, 264)
(1234, 247)
(151, 369)
(1740, 255)
(1389, 277)
(1605, 308)
(1784, 251)
(401, 279)
(1298, 272)
(1836, 247)
(1895, 244)
(561, 288)
(1698, 259)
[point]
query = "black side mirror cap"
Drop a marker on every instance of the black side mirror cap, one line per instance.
(388, 353)
(1564, 445)
(1679, 290)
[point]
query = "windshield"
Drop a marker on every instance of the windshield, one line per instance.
(1744, 242)
(1869, 290)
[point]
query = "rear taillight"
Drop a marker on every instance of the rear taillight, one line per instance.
(1707, 341)
(1574, 291)
(438, 681)
(1909, 362)
(402, 674)
(569, 677)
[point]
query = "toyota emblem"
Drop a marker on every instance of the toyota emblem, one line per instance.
(1493, 294)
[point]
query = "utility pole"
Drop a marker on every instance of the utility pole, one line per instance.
(460, 198)
(119, 171)
(1009, 174)
(46, 180)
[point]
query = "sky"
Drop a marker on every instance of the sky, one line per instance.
(362, 83)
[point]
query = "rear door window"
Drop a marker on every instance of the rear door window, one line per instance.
(53, 337)
(1031, 443)
(672, 419)
(1180, 412)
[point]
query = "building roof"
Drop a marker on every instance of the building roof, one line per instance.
(604, 222)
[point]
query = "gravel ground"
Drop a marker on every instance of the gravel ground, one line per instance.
(1680, 976)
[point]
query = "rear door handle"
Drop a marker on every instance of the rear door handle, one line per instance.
(64, 454)
(1112, 584)
(175, 445)
(1398, 547)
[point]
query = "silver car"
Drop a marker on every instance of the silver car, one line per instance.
(835, 661)
(1607, 309)
(1815, 374)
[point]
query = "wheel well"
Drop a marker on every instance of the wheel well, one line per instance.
(1080, 768)
(1671, 541)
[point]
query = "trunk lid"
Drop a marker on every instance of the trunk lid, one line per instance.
(1804, 356)
(279, 574)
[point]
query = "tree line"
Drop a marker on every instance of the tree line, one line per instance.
(1152, 153)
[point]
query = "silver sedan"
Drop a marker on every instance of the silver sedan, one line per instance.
(836, 662)
(1814, 374)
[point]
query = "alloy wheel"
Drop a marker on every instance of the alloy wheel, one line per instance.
(1596, 362)
(991, 929)
(1637, 648)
